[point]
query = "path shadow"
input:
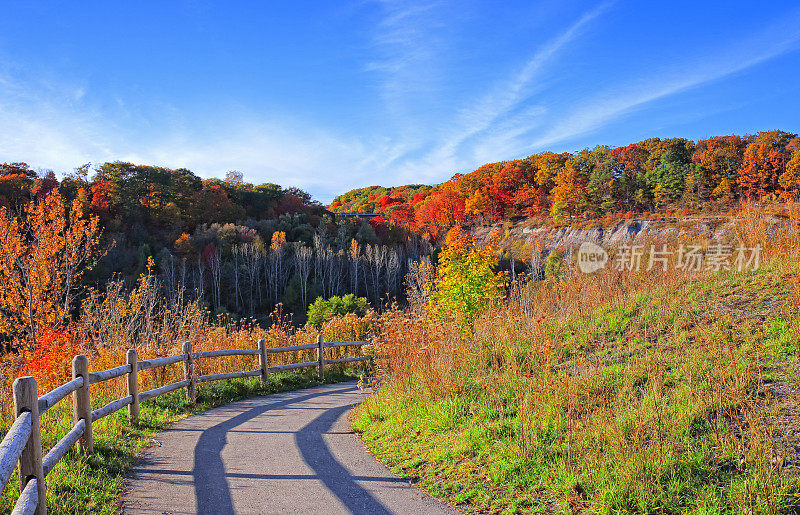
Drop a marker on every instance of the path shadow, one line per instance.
(334, 476)
(211, 488)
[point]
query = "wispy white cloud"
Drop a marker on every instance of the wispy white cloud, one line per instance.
(60, 126)
(409, 43)
(473, 135)
(610, 105)
(509, 94)
(47, 123)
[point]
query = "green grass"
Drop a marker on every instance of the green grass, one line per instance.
(659, 411)
(93, 484)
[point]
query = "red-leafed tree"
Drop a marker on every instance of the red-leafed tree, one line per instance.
(45, 185)
(501, 192)
(441, 212)
(101, 199)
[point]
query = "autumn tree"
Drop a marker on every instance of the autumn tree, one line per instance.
(790, 179)
(44, 254)
(628, 170)
(16, 181)
(441, 211)
(720, 158)
(548, 165)
(465, 279)
(656, 147)
(500, 194)
(764, 162)
(569, 193)
(601, 186)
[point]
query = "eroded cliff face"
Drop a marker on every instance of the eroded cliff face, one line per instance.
(522, 239)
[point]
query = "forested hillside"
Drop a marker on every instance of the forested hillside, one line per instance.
(651, 175)
(238, 248)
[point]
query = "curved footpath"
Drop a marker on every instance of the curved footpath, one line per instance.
(290, 452)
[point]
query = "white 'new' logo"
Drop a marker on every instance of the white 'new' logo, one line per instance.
(591, 257)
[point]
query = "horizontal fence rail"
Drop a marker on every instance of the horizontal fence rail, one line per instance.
(228, 375)
(28, 502)
(155, 392)
(160, 362)
(63, 445)
(306, 346)
(50, 399)
(219, 353)
(111, 407)
(291, 366)
(22, 445)
(13, 445)
(105, 375)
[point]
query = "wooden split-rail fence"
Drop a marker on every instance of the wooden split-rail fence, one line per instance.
(22, 444)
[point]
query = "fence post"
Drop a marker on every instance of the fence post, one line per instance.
(320, 359)
(30, 461)
(188, 371)
(82, 403)
(262, 361)
(133, 387)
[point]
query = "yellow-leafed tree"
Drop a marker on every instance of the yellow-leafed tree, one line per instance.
(44, 251)
(466, 282)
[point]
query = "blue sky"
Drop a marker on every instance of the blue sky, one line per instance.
(329, 96)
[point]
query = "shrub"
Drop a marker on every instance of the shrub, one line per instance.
(552, 266)
(323, 310)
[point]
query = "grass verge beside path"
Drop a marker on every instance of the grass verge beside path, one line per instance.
(93, 484)
(672, 401)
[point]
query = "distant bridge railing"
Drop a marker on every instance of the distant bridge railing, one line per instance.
(356, 215)
(22, 444)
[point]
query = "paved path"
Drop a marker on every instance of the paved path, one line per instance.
(291, 452)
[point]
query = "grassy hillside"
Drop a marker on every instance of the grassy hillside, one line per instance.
(668, 398)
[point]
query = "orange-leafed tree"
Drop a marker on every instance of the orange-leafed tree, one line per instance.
(764, 162)
(548, 165)
(569, 193)
(720, 157)
(475, 204)
(790, 179)
(44, 254)
(16, 181)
